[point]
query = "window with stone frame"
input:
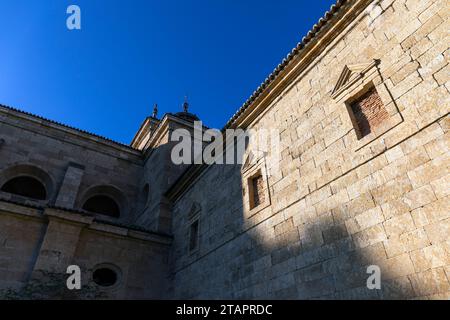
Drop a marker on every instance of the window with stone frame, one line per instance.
(368, 112)
(256, 192)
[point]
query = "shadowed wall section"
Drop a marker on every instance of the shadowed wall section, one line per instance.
(304, 227)
(339, 202)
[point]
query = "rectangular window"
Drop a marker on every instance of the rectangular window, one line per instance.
(193, 237)
(256, 186)
(368, 112)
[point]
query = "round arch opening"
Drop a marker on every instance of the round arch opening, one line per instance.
(102, 204)
(25, 186)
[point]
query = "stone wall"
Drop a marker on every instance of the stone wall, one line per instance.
(141, 258)
(33, 241)
(160, 172)
(20, 237)
(49, 235)
(338, 202)
(74, 161)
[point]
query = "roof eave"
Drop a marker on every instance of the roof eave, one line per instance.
(300, 57)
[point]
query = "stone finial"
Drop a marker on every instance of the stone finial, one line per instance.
(186, 105)
(155, 111)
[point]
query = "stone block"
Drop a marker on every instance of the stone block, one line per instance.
(429, 171)
(365, 220)
(334, 233)
(392, 190)
(438, 231)
(370, 236)
(397, 289)
(316, 288)
(399, 225)
(420, 197)
(396, 267)
(441, 186)
(431, 257)
(430, 282)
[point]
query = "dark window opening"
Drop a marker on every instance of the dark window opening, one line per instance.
(27, 187)
(368, 113)
(146, 194)
(256, 186)
(102, 205)
(105, 277)
(193, 240)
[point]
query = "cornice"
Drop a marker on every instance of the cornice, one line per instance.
(319, 37)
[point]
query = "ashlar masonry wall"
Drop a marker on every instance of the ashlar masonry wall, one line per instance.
(338, 202)
(49, 235)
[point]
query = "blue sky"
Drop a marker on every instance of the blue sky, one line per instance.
(131, 54)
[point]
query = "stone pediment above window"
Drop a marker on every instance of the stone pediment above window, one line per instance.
(366, 103)
(255, 183)
(249, 161)
(252, 159)
(195, 210)
(350, 75)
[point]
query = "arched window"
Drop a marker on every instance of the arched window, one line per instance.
(26, 186)
(102, 204)
(104, 199)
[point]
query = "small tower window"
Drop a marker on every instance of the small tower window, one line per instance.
(256, 186)
(146, 194)
(27, 187)
(368, 112)
(193, 236)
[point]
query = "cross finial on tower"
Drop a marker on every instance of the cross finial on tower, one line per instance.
(155, 111)
(186, 104)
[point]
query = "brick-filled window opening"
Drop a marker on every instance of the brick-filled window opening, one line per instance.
(257, 195)
(193, 236)
(368, 112)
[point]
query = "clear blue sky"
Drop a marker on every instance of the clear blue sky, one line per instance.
(130, 54)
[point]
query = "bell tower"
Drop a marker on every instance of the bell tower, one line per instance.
(154, 139)
(146, 130)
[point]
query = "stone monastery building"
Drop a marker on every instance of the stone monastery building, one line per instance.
(362, 107)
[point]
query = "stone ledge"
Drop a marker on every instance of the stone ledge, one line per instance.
(63, 214)
(20, 209)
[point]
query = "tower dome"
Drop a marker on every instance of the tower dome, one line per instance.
(185, 114)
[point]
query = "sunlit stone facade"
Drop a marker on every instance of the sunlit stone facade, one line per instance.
(352, 188)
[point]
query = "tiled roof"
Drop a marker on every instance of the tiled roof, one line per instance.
(297, 50)
(66, 126)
